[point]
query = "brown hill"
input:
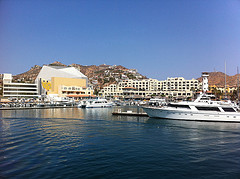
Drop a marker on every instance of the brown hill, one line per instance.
(56, 63)
(32, 74)
(218, 79)
(98, 73)
(28, 76)
(86, 70)
(90, 71)
(100, 76)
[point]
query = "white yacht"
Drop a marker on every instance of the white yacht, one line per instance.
(202, 109)
(157, 102)
(95, 103)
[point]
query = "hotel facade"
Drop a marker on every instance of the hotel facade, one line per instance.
(172, 87)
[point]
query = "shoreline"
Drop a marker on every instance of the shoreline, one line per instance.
(25, 108)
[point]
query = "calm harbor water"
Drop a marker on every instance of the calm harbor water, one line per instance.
(91, 143)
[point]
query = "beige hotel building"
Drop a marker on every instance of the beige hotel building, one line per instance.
(174, 87)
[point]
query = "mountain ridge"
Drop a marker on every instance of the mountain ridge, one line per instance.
(103, 75)
(218, 79)
(100, 76)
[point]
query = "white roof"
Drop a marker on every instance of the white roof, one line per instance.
(47, 72)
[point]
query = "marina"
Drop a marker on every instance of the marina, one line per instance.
(119, 89)
(93, 143)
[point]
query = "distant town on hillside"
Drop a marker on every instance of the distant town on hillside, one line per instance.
(112, 81)
(99, 76)
(104, 75)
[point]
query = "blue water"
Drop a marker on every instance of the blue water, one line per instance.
(91, 143)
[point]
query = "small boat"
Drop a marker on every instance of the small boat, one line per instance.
(95, 103)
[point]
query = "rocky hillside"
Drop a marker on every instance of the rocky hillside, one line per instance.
(104, 75)
(28, 76)
(99, 76)
(32, 74)
(218, 79)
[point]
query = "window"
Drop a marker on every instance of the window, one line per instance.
(228, 109)
(200, 108)
(179, 106)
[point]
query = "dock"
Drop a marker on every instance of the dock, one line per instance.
(27, 108)
(129, 113)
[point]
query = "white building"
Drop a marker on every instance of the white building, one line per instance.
(172, 87)
(62, 78)
(19, 90)
(47, 72)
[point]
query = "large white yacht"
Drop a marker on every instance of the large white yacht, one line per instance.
(202, 109)
(95, 103)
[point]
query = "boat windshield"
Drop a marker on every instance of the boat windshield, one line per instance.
(178, 106)
(228, 109)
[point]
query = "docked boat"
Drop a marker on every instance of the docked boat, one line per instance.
(202, 109)
(157, 102)
(95, 103)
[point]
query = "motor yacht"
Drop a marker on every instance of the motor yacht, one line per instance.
(157, 102)
(202, 109)
(95, 103)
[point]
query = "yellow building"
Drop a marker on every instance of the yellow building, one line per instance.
(229, 89)
(62, 81)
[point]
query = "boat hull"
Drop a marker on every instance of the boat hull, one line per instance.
(99, 106)
(191, 115)
(95, 103)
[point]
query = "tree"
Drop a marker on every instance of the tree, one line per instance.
(152, 95)
(105, 80)
(96, 91)
(131, 76)
(189, 98)
(192, 89)
(234, 95)
(218, 94)
(162, 95)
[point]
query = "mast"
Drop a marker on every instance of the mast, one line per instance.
(225, 81)
(237, 85)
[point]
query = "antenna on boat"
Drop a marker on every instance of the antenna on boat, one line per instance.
(225, 82)
(237, 85)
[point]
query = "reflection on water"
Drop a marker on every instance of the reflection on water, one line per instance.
(44, 113)
(76, 113)
(91, 143)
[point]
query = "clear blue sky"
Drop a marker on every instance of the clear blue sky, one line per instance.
(160, 38)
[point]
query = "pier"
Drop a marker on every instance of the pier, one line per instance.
(129, 113)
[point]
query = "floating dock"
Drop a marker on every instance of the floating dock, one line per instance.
(45, 107)
(129, 113)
